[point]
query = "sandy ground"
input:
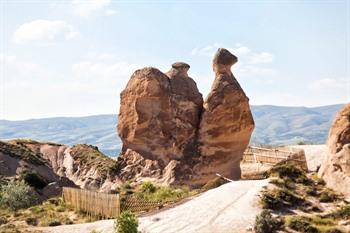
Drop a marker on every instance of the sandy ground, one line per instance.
(230, 208)
(315, 154)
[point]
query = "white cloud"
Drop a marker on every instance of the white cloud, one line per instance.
(110, 12)
(44, 31)
(85, 8)
(261, 58)
(98, 70)
(84, 88)
(328, 83)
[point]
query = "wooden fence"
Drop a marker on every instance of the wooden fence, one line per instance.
(96, 204)
(274, 156)
(258, 160)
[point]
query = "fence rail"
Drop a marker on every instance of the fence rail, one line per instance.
(266, 157)
(97, 204)
(273, 156)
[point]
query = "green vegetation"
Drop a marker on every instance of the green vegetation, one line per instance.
(89, 156)
(300, 224)
(16, 195)
(126, 223)
(266, 223)
(281, 198)
(341, 213)
(288, 171)
(17, 150)
(314, 224)
(328, 195)
(300, 195)
(151, 192)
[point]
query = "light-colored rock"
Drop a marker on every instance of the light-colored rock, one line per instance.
(226, 124)
(82, 165)
(335, 169)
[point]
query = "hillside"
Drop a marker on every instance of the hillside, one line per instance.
(274, 125)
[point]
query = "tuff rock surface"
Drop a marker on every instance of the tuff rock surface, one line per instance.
(227, 123)
(335, 169)
(170, 137)
(59, 165)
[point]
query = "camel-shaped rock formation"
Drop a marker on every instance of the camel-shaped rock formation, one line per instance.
(168, 134)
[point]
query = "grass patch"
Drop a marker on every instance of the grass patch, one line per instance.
(314, 224)
(151, 192)
(341, 213)
(328, 195)
(281, 198)
(266, 223)
(288, 171)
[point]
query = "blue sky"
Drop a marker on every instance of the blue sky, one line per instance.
(73, 57)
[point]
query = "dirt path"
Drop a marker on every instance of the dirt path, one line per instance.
(231, 208)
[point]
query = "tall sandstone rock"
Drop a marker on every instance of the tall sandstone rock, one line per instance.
(227, 122)
(170, 137)
(158, 121)
(335, 169)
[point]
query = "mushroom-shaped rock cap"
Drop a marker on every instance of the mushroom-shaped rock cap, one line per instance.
(224, 57)
(178, 69)
(180, 65)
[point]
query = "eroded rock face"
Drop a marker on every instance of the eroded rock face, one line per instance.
(335, 170)
(162, 122)
(159, 113)
(80, 165)
(227, 122)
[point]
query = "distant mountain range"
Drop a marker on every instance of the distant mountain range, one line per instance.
(274, 125)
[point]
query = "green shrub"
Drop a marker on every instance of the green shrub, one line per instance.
(126, 223)
(328, 196)
(343, 212)
(54, 222)
(3, 220)
(32, 221)
(288, 170)
(266, 223)
(302, 224)
(33, 179)
(16, 195)
(148, 187)
(280, 198)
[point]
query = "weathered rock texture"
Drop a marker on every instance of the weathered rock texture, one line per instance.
(335, 169)
(162, 123)
(59, 165)
(158, 122)
(227, 123)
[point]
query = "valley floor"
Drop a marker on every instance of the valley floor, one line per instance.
(229, 208)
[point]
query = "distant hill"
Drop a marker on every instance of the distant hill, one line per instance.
(274, 125)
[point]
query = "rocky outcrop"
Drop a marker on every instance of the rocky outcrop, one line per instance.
(59, 165)
(159, 113)
(335, 169)
(162, 123)
(227, 123)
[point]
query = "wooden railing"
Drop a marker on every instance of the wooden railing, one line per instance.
(274, 156)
